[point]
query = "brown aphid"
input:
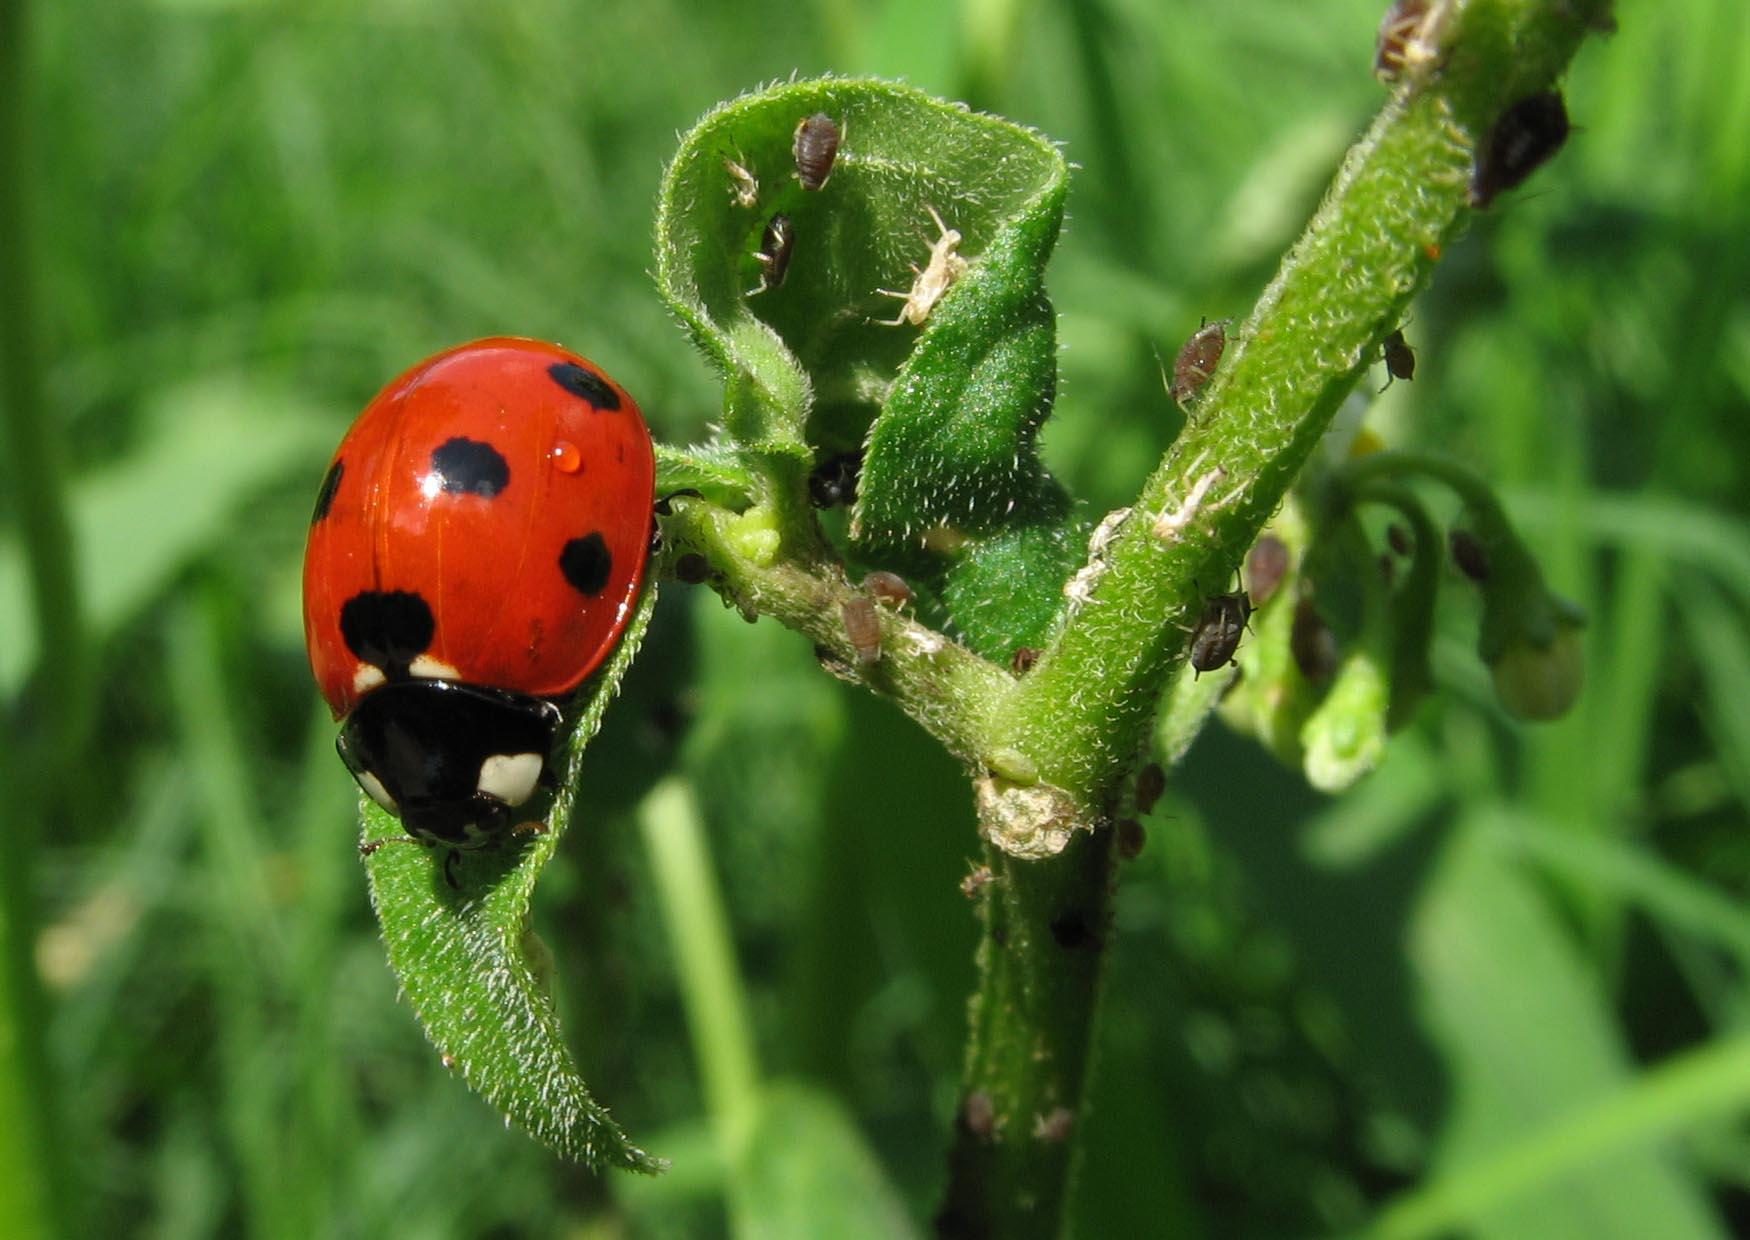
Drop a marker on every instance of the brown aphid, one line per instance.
(1398, 539)
(978, 1114)
(1131, 838)
(863, 627)
(1400, 358)
(1151, 781)
(1022, 660)
(1312, 643)
(1217, 635)
(1400, 24)
(1469, 554)
(1197, 360)
(1527, 134)
(888, 589)
(933, 281)
(1265, 565)
(773, 257)
(693, 569)
(815, 146)
(976, 880)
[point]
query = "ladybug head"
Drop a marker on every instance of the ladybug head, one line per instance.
(451, 760)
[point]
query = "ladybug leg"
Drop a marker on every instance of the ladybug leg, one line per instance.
(450, 869)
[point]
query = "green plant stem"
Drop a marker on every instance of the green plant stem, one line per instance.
(1041, 964)
(30, 1167)
(711, 989)
(944, 686)
(1398, 200)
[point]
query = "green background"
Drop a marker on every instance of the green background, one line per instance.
(1505, 975)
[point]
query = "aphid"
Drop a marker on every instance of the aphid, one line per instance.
(976, 880)
(1265, 566)
(744, 187)
(1399, 25)
(1054, 1127)
(1398, 539)
(863, 627)
(1400, 358)
(933, 282)
(1132, 839)
(1022, 660)
(773, 257)
(1312, 643)
(1197, 360)
(979, 1115)
(1469, 554)
(888, 589)
(692, 569)
(815, 146)
(1218, 630)
(834, 480)
(1151, 781)
(1527, 134)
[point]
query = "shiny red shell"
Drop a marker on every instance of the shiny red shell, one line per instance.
(502, 492)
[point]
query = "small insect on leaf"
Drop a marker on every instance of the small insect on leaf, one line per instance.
(1265, 566)
(774, 253)
(1217, 635)
(888, 589)
(1312, 643)
(1527, 134)
(815, 146)
(1469, 554)
(933, 282)
(863, 628)
(1397, 29)
(834, 481)
(744, 187)
(1197, 360)
(1151, 781)
(1400, 358)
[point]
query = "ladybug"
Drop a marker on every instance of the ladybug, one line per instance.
(478, 545)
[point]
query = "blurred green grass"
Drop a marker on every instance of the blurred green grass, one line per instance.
(249, 215)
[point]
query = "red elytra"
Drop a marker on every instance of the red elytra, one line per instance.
(506, 486)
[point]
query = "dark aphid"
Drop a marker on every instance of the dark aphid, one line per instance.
(1022, 660)
(693, 569)
(1265, 565)
(1399, 25)
(863, 627)
(1400, 358)
(1312, 643)
(1131, 838)
(1151, 781)
(1528, 133)
(776, 244)
(1398, 539)
(815, 146)
(1197, 360)
(888, 589)
(834, 480)
(1218, 630)
(1470, 555)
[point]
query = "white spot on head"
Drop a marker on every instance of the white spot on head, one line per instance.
(510, 777)
(374, 789)
(428, 668)
(368, 677)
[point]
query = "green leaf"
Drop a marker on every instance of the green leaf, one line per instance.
(807, 1172)
(715, 470)
(475, 972)
(1535, 1058)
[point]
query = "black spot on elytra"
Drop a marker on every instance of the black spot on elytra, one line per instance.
(585, 383)
(586, 563)
(389, 628)
(469, 467)
(325, 497)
